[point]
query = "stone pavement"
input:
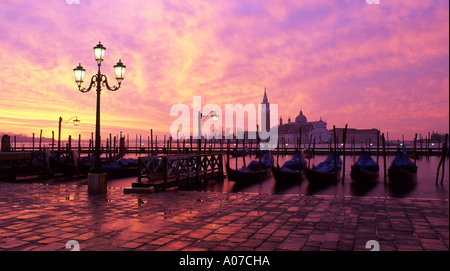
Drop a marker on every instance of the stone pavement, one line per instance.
(46, 217)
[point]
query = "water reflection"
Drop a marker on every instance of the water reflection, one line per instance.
(424, 188)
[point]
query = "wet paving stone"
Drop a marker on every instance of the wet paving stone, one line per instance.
(45, 217)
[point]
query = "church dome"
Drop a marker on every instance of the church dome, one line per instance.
(301, 118)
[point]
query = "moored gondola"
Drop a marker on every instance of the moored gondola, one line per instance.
(402, 170)
(290, 171)
(365, 169)
(254, 172)
(326, 172)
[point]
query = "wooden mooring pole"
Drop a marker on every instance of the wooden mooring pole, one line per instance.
(343, 152)
(415, 151)
(442, 161)
(384, 157)
(335, 151)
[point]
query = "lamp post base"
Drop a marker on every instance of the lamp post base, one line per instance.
(97, 183)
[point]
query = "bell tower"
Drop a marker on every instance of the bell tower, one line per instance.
(265, 111)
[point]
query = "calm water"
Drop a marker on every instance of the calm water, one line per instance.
(425, 187)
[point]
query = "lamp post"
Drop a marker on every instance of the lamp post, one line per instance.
(76, 122)
(211, 115)
(97, 176)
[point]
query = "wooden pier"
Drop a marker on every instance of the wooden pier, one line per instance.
(164, 172)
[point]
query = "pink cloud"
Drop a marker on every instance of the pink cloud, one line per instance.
(345, 61)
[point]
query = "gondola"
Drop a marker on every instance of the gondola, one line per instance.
(402, 170)
(325, 172)
(254, 172)
(122, 168)
(365, 169)
(239, 153)
(290, 171)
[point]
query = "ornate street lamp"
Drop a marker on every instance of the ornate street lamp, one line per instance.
(76, 122)
(97, 174)
(214, 118)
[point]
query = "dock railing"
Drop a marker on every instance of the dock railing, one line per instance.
(168, 171)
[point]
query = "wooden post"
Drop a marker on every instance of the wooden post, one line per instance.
(108, 154)
(114, 145)
(243, 152)
(79, 144)
(343, 152)
(221, 163)
(151, 141)
(139, 170)
(156, 144)
(228, 152)
(40, 141)
(384, 157)
(335, 151)
(53, 140)
(415, 152)
(378, 146)
(164, 145)
(259, 150)
(235, 151)
(278, 151)
(178, 144)
(170, 145)
(428, 143)
(89, 150)
(421, 149)
(59, 136)
(442, 161)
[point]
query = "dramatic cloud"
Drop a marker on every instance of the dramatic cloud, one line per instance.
(369, 66)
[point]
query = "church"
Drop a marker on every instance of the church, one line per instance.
(314, 130)
(290, 131)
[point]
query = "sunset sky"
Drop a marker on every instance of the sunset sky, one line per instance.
(380, 66)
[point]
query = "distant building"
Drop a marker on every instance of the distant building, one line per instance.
(290, 131)
(359, 136)
(314, 130)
